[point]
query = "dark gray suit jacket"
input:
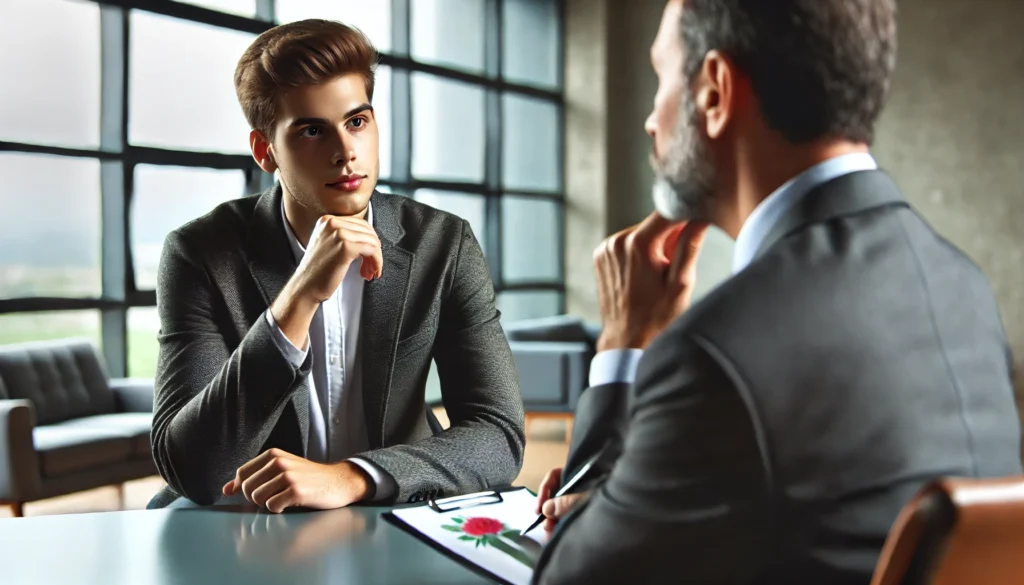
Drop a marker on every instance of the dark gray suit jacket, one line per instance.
(777, 427)
(225, 392)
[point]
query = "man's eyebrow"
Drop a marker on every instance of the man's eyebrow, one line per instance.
(348, 114)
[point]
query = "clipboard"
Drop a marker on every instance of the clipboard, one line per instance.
(463, 529)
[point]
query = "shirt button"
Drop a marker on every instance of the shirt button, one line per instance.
(337, 420)
(334, 359)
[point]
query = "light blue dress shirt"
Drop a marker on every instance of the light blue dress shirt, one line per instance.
(619, 365)
(337, 424)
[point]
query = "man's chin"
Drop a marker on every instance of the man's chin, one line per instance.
(345, 203)
(673, 207)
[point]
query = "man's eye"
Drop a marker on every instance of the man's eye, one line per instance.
(310, 132)
(357, 122)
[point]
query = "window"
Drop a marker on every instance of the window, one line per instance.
(143, 348)
(49, 325)
(51, 96)
(447, 129)
(185, 98)
(50, 226)
(125, 125)
(166, 198)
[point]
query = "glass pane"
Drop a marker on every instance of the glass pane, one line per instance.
(467, 206)
(49, 226)
(530, 250)
(531, 46)
(166, 198)
(373, 18)
(143, 326)
(448, 32)
(382, 112)
(530, 131)
(516, 305)
(20, 327)
(447, 129)
(51, 94)
(242, 7)
(185, 98)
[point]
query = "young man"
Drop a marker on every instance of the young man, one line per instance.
(298, 327)
(772, 432)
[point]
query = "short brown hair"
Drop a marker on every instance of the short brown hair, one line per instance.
(297, 54)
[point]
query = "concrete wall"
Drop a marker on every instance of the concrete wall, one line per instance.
(952, 136)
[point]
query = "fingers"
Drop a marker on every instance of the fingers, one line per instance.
(556, 508)
(261, 477)
(687, 250)
(265, 492)
(245, 472)
(548, 486)
(285, 499)
(358, 236)
(651, 229)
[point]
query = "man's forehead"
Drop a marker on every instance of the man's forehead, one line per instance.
(338, 94)
(667, 39)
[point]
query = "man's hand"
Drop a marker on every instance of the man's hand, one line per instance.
(276, 480)
(645, 277)
(554, 509)
(335, 243)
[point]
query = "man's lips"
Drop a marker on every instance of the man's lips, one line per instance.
(347, 183)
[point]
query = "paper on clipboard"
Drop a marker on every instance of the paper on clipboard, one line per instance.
(483, 532)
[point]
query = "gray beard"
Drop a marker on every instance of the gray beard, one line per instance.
(685, 184)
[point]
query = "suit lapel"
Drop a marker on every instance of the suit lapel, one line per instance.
(845, 195)
(381, 319)
(271, 264)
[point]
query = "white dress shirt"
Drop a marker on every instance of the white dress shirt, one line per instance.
(619, 365)
(337, 424)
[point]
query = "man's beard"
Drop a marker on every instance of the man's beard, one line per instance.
(685, 183)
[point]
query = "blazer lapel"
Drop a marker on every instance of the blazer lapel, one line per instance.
(845, 195)
(382, 313)
(271, 264)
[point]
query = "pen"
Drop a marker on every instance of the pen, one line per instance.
(565, 488)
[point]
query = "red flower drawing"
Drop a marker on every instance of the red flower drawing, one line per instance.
(482, 526)
(482, 531)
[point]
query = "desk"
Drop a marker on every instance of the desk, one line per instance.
(220, 545)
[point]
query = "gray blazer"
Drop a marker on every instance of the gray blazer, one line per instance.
(777, 427)
(225, 392)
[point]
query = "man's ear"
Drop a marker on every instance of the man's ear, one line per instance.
(716, 92)
(262, 151)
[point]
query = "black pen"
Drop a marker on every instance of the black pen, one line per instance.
(565, 488)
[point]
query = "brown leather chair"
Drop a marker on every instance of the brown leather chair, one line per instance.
(958, 532)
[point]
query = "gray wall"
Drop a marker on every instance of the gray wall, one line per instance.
(952, 136)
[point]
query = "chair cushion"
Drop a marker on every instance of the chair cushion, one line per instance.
(64, 450)
(64, 379)
(134, 426)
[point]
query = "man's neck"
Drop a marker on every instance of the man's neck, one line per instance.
(759, 174)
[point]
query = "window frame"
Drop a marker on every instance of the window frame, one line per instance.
(118, 157)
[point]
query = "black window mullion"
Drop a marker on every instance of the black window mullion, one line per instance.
(113, 186)
(492, 143)
(401, 97)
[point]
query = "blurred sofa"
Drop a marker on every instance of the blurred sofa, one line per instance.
(552, 356)
(65, 426)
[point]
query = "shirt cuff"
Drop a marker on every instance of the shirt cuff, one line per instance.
(383, 484)
(615, 366)
(294, 355)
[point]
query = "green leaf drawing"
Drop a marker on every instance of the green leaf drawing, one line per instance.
(459, 520)
(511, 534)
(466, 537)
(452, 528)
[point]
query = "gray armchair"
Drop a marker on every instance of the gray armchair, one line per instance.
(65, 426)
(552, 356)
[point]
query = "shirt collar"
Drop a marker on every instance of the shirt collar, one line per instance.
(297, 250)
(768, 212)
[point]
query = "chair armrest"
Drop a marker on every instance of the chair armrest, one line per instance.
(19, 464)
(552, 375)
(132, 394)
